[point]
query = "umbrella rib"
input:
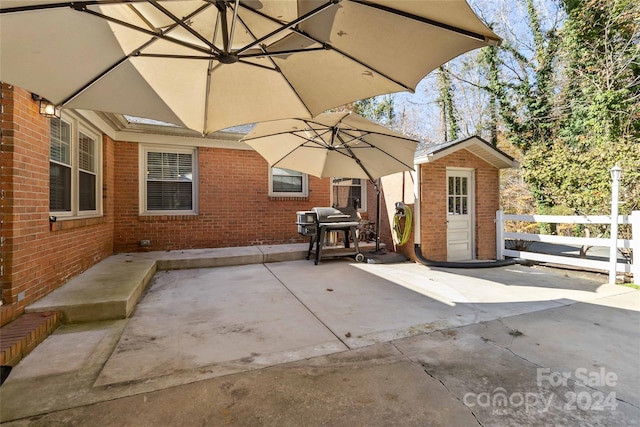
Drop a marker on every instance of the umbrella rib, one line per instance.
(181, 22)
(353, 58)
(160, 35)
(169, 56)
(370, 145)
(355, 158)
(326, 129)
(233, 22)
(282, 52)
(94, 80)
(124, 58)
(375, 147)
(276, 68)
(286, 155)
(370, 132)
(328, 46)
(64, 5)
(424, 20)
(284, 26)
(319, 146)
(222, 11)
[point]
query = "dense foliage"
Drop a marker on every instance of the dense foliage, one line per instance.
(574, 108)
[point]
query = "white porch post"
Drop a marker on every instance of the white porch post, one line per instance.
(616, 173)
(635, 246)
(499, 234)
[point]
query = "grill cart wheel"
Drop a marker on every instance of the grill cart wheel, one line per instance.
(360, 257)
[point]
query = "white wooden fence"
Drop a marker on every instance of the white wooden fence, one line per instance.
(633, 243)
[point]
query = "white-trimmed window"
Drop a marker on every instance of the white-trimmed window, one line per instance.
(75, 169)
(349, 192)
(168, 180)
(288, 183)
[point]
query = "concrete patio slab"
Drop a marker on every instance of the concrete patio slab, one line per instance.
(603, 334)
(211, 316)
(503, 388)
(341, 343)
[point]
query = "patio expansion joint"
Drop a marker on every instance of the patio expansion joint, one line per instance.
(514, 336)
(569, 380)
(426, 371)
(308, 309)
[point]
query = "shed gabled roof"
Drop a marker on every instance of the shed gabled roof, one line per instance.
(474, 144)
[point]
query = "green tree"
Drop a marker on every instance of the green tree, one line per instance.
(526, 87)
(379, 109)
(602, 56)
(600, 123)
(448, 112)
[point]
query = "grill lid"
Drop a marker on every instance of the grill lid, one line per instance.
(329, 215)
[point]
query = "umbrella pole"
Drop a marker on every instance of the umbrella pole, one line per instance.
(376, 184)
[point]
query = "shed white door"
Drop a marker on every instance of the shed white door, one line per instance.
(460, 214)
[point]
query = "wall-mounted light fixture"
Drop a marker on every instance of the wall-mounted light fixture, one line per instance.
(47, 108)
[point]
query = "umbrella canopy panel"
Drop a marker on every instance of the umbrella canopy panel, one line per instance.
(333, 145)
(211, 64)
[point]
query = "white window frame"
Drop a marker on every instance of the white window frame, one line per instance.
(364, 187)
(157, 148)
(303, 193)
(78, 126)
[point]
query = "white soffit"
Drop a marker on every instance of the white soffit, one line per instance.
(475, 146)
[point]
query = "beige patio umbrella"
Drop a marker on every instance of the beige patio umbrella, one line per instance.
(211, 64)
(335, 145)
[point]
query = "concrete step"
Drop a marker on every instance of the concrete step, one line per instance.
(222, 257)
(108, 290)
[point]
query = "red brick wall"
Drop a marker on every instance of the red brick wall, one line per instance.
(234, 205)
(37, 256)
(433, 210)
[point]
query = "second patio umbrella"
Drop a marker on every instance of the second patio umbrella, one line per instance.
(211, 64)
(335, 145)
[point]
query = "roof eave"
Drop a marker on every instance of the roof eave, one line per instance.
(476, 146)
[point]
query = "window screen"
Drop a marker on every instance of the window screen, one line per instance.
(169, 181)
(287, 181)
(60, 166)
(87, 172)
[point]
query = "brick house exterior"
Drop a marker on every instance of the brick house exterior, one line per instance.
(38, 255)
(234, 205)
(40, 252)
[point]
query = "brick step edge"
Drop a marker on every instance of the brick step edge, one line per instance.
(19, 337)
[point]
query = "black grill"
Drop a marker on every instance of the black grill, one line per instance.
(319, 220)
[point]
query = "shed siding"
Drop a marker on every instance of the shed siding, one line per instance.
(433, 212)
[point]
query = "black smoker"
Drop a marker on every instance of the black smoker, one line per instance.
(318, 221)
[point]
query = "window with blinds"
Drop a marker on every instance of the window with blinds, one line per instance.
(285, 182)
(60, 166)
(169, 181)
(74, 169)
(87, 172)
